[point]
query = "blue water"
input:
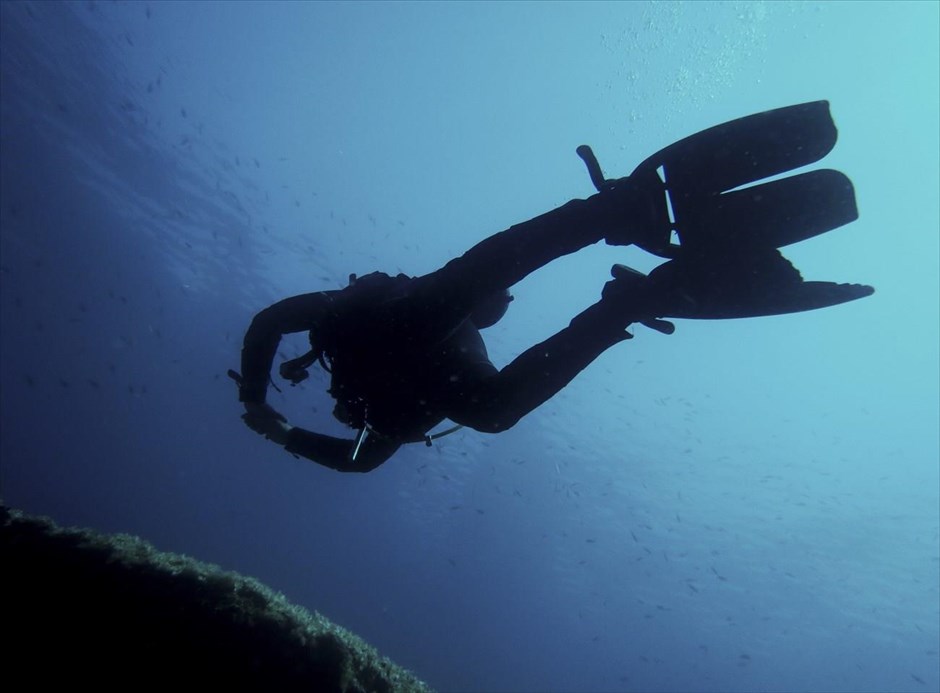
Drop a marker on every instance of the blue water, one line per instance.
(745, 505)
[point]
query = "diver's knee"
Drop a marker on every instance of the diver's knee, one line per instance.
(488, 422)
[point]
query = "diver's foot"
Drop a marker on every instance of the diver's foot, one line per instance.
(629, 296)
(636, 212)
(627, 285)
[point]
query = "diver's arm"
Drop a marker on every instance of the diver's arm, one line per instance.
(336, 453)
(294, 314)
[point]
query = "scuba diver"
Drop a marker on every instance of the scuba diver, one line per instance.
(405, 353)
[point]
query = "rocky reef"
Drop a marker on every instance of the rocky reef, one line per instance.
(110, 611)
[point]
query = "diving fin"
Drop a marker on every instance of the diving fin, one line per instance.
(694, 182)
(751, 283)
(747, 149)
(775, 214)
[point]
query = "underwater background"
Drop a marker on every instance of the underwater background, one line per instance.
(745, 505)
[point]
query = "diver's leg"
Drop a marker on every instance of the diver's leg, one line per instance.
(496, 403)
(446, 297)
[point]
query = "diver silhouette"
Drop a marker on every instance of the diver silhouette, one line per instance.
(405, 353)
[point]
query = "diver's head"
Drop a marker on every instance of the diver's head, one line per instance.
(491, 309)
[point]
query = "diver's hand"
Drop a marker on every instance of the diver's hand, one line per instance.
(264, 419)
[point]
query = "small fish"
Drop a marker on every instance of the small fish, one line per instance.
(720, 577)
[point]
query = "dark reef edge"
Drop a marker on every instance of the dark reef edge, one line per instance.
(113, 612)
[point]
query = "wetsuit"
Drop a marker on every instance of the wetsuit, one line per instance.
(415, 358)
